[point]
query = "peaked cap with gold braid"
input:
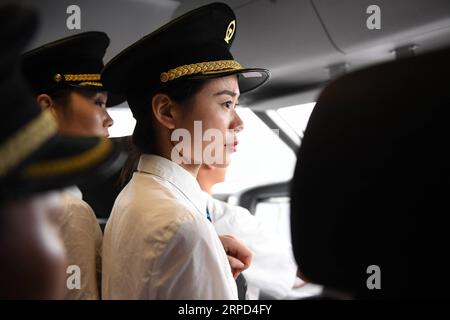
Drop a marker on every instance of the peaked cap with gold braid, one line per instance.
(74, 61)
(195, 45)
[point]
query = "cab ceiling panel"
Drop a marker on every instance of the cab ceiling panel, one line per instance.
(125, 21)
(285, 37)
(305, 42)
(280, 35)
(400, 21)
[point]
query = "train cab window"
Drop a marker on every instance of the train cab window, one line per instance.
(261, 157)
(297, 116)
(123, 122)
(270, 161)
(274, 214)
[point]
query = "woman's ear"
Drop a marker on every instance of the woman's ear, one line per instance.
(163, 109)
(44, 101)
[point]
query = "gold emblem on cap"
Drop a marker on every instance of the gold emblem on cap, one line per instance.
(230, 31)
(57, 77)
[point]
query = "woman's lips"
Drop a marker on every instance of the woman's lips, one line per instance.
(232, 146)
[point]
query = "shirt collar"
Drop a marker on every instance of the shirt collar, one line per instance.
(176, 175)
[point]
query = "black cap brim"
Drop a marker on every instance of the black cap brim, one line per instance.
(65, 161)
(248, 78)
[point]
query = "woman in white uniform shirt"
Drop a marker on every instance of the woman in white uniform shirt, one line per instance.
(273, 269)
(158, 242)
(65, 75)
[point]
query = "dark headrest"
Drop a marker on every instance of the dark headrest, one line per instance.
(370, 185)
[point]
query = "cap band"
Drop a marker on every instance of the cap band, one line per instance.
(26, 141)
(88, 79)
(77, 77)
(70, 164)
(200, 67)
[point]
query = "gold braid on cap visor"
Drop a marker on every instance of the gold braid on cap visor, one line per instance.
(27, 140)
(88, 79)
(201, 67)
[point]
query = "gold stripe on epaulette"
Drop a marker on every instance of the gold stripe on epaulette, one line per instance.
(27, 140)
(77, 77)
(200, 67)
(70, 164)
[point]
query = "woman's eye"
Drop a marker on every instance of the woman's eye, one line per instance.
(227, 104)
(101, 104)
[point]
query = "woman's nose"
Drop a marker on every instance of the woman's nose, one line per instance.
(108, 120)
(238, 124)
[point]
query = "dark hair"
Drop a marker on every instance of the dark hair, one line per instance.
(143, 139)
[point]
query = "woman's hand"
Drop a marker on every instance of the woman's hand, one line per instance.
(239, 255)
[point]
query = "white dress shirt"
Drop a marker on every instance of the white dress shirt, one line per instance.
(273, 269)
(82, 238)
(158, 243)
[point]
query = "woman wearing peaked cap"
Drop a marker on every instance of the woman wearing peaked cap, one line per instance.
(35, 159)
(65, 75)
(158, 242)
